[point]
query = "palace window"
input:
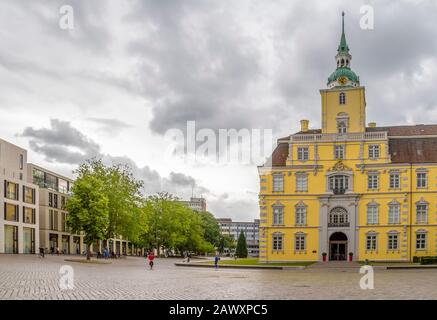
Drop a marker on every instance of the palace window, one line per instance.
(421, 179)
(341, 127)
(393, 213)
(393, 241)
(374, 151)
(303, 153)
(302, 182)
(421, 240)
(342, 98)
(371, 241)
(278, 242)
(394, 181)
(421, 213)
(278, 215)
(338, 152)
(11, 190)
(301, 215)
(338, 184)
(299, 242)
(278, 182)
(372, 214)
(372, 181)
(338, 217)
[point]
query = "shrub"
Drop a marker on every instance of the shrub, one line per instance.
(428, 260)
(416, 259)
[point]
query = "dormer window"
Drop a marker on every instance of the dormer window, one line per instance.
(342, 98)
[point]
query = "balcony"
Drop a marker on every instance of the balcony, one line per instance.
(339, 190)
(353, 136)
(338, 224)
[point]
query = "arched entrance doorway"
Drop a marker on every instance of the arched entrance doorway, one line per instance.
(337, 246)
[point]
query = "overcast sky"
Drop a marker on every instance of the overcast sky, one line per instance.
(131, 70)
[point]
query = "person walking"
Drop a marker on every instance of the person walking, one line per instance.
(216, 260)
(41, 252)
(150, 258)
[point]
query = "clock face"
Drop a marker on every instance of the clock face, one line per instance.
(342, 80)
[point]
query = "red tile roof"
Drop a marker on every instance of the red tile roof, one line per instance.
(413, 150)
(416, 130)
(279, 155)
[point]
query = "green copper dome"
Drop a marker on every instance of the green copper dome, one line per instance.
(343, 72)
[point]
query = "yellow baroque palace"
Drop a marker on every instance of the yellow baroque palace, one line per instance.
(347, 190)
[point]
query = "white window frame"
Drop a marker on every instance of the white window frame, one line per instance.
(342, 98)
(393, 241)
(394, 210)
(277, 242)
(372, 214)
(421, 180)
(301, 182)
(341, 127)
(421, 213)
(339, 180)
(421, 240)
(303, 153)
(300, 215)
(339, 152)
(394, 180)
(278, 182)
(372, 181)
(371, 242)
(299, 242)
(374, 151)
(278, 216)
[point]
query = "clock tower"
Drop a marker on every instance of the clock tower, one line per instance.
(343, 102)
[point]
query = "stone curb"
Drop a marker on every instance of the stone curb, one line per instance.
(230, 266)
(413, 267)
(84, 261)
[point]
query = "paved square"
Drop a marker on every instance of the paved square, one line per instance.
(30, 277)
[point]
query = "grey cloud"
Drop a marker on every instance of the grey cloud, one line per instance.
(56, 142)
(205, 68)
(110, 126)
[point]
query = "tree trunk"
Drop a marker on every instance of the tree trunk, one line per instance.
(88, 252)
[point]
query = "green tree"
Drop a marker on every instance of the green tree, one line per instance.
(174, 226)
(211, 228)
(123, 191)
(88, 209)
(226, 242)
(241, 251)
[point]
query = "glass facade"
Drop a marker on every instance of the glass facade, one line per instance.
(28, 240)
(11, 212)
(11, 239)
(28, 215)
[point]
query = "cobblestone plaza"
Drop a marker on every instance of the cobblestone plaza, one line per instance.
(31, 277)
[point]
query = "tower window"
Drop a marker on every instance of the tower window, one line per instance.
(342, 98)
(341, 127)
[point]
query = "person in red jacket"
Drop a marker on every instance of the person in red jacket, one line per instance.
(150, 258)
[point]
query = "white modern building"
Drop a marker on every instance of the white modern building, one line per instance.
(196, 204)
(19, 221)
(250, 230)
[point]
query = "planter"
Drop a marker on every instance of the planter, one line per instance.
(324, 254)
